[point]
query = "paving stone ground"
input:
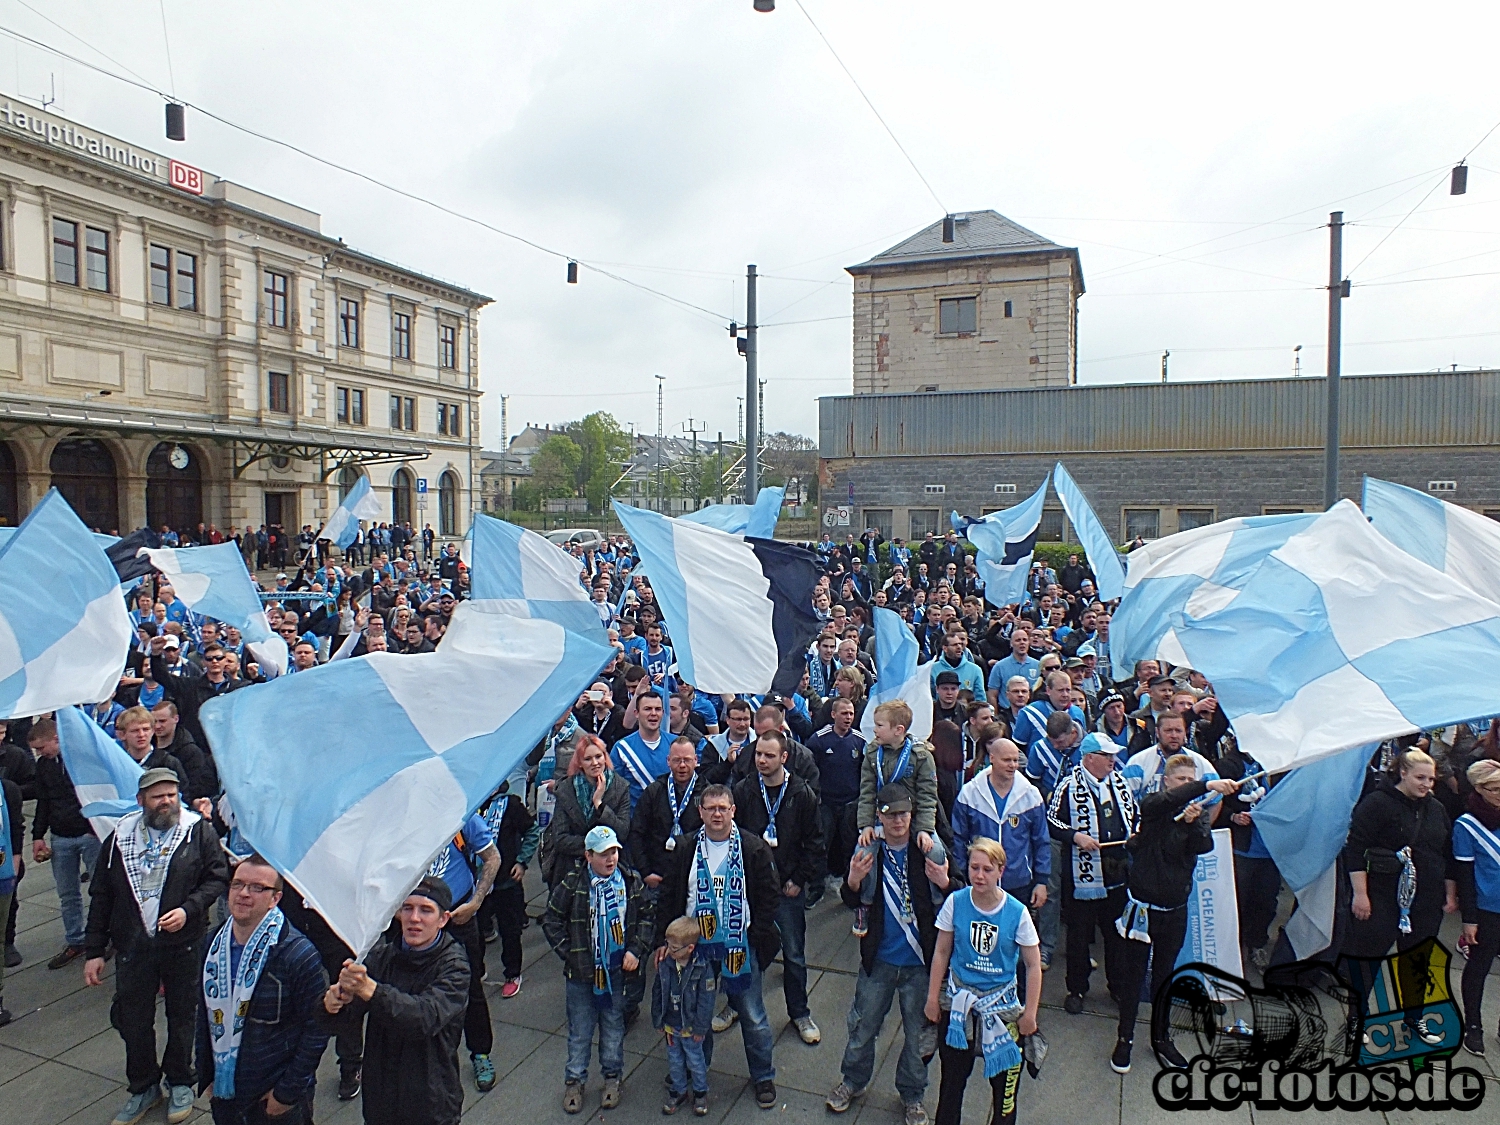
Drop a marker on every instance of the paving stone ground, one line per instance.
(61, 1064)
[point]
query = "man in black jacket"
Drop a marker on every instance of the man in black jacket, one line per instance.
(666, 816)
(11, 864)
(191, 693)
(158, 874)
(16, 765)
(173, 738)
(137, 733)
(415, 989)
(74, 844)
(780, 808)
(761, 893)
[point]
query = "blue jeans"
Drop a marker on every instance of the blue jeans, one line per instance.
(755, 1028)
(583, 1018)
(791, 920)
(1048, 916)
(873, 995)
(67, 853)
(685, 1060)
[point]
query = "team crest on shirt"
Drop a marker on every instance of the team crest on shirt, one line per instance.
(983, 936)
(1014, 820)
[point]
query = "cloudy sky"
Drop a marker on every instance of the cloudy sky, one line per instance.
(1192, 156)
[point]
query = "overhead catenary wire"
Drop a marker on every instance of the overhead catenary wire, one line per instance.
(167, 42)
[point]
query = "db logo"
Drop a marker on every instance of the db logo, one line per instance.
(185, 177)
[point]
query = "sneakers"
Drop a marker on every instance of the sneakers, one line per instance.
(1046, 961)
(1425, 1033)
(349, 1077)
(484, 1073)
(5, 1016)
(808, 1030)
(138, 1106)
(510, 989)
(69, 954)
(573, 1097)
(700, 1104)
(12, 956)
(725, 1020)
(1474, 1041)
(765, 1094)
(673, 1103)
(1168, 1054)
(611, 1097)
(1073, 1005)
(916, 1114)
(840, 1098)
(180, 1104)
(1119, 1062)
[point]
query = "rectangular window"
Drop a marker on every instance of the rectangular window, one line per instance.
(957, 315)
(1050, 530)
(401, 336)
(409, 413)
(447, 346)
(1284, 511)
(442, 417)
(922, 521)
(1009, 309)
(187, 281)
(1492, 513)
(279, 397)
(341, 404)
(879, 519)
(1144, 523)
(348, 322)
(448, 422)
(1189, 518)
(276, 299)
(357, 407)
(395, 412)
(161, 275)
(96, 258)
(64, 252)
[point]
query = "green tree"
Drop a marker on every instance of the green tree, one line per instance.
(554, 467)
(603, 448)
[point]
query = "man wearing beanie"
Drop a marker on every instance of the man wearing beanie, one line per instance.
(414, 986)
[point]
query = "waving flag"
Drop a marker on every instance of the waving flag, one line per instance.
(1304, 822)
(756, 520)
(739, 608)
(1006, 542)
(360, 504)
(1331, 643)
(64, 632)
(1097, 544)
(212, 581)
(1191, 572)
(1464, 545)
(897, 675)
(528, 576)
(405, 747)
(104, 776)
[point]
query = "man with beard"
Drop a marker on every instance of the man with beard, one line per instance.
(158, 875)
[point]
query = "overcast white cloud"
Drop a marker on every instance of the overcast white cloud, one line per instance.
(1191, 153)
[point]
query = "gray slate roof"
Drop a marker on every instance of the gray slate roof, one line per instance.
(975, 233)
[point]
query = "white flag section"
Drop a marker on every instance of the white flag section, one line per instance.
(757, 520)
(1213, 917)
(1006, 543)
(213, 581)
(104, 777)
(715, 597)
(898, 676)
(526, 575)
(1464, 545)
(390, 754)
(1104, 560)
(1331, 641)
(64, 632)
(360, 504)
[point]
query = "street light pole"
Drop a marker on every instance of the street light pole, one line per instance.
(1337, 289)
(752, 393)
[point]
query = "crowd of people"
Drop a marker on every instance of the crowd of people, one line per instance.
(683, 837)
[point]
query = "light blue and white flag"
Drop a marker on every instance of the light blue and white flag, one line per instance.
(1192, 572)
(104, 776)
(898, 676)
(1104, 560)
(528, 576)
(1332, 641)
(717, 598)
(360, 504)
(1006, 542)
(391, 754)
(1213, 917)
(213, 582)
(757, 520)
(1304, 823)
(1464, 545)
(64, 632)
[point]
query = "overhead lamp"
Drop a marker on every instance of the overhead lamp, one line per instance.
(176, 122)
(765, 5)
(572, 273)
(1459, 184)
(947, 228)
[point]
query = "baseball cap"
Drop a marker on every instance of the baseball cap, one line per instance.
(434, 888)
(601, 838)
(1073, 662)
(171, 642)
(1095, 743)
(156, 777)
(281, 575)
(948, 678)
(893, 799)
(1087, 650)
(1154, 680)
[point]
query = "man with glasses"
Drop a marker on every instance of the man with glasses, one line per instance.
(190, 693)
(258, 1045)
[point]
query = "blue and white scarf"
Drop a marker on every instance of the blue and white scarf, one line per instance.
(771, 810)
(1406, 888)
(678, 808)
(1084, 801)
(901, 764)
(606, 931)
(1135, 922)
(723, 921)
(993, 1011)
(898, 898)
(227, 994)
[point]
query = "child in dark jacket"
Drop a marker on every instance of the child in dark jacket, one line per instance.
(682, 1005)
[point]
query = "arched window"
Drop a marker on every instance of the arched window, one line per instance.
(348, 478)
(9, 507)
(174, 496)
(448, 504)
(402, 486)
(83, 470)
